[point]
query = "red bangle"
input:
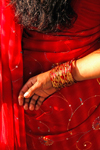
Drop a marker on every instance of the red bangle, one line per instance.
(61, 75)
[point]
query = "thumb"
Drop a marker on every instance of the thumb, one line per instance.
(31, 90)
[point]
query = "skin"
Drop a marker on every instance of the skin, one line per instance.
(39, 87)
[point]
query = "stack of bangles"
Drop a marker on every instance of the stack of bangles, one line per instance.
(61, 75)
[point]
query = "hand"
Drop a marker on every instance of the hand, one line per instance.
(35, 91)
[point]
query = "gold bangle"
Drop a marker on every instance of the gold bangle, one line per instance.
(61, 75)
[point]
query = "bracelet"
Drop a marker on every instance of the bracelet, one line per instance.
(61, 75)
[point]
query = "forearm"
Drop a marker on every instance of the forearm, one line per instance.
(87, 67)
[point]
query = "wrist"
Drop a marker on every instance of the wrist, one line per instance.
(75, 71)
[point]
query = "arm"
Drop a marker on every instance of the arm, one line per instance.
(38, 88)
(87, 67)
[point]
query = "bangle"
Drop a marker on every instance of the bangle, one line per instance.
(61, 75)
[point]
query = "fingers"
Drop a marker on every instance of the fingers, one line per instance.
(21, 98)
(31, 103)
(35, 102)
(31, 90)
(25, 88)
(33, 94)
(39, 103)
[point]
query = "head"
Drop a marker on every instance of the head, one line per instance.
(44, 15)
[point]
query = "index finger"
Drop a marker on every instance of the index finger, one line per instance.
(22, 92)
(21, 98)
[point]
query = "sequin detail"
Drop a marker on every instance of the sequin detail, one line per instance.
(96, 123)
(45, 141)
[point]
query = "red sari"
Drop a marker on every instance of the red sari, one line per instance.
(12, 126)
(70, 118)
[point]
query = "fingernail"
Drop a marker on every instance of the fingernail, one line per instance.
(31, 108)
(25, 107)
(20, 101)
(19, 97)
(26, 94)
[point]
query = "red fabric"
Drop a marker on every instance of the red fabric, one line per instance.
(12, 127)
(69, 119)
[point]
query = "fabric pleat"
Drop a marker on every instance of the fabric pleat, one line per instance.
(12, 126)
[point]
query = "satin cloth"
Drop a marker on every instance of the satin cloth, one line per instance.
(70, 118)
(12, 126)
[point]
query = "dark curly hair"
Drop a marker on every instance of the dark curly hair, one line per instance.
(44, 15)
